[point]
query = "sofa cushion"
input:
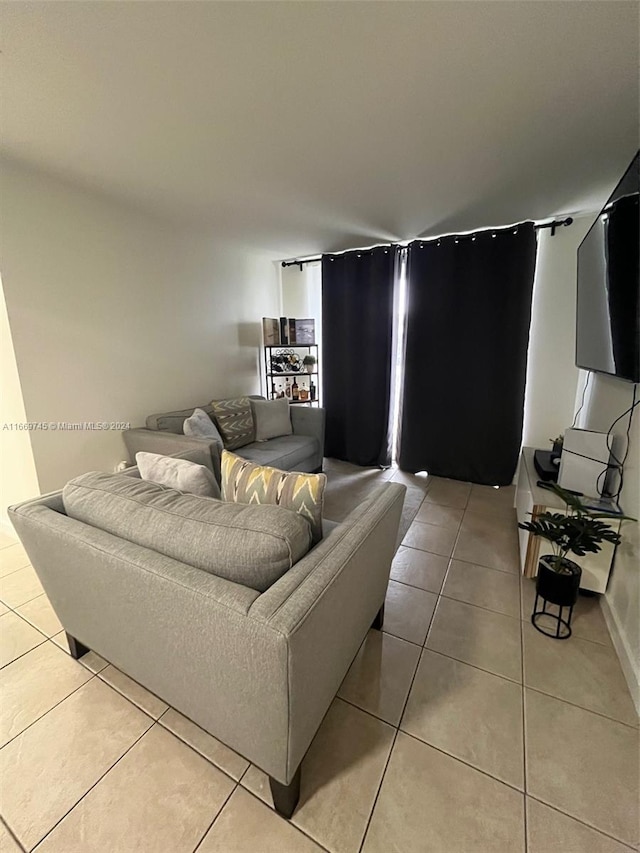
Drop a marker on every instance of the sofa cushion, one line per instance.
(271, 418)
(177, 474)
(200, 425)
(243, 481)
(249, 545)
(235, 421)
(286, 451)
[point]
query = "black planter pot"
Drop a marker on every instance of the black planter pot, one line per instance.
(559, 588)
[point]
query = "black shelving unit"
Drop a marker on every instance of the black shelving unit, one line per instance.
(275, 380)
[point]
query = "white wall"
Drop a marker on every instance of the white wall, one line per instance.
(302, 298)
(18, 480)
(115, 315)
(553, 395)
(302, 293)
(551, 373)
(607, 398)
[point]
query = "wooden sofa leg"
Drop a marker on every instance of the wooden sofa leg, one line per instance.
(76, 648)
(285, 797)
(378, 621)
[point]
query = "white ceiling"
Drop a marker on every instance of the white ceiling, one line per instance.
(309, 126)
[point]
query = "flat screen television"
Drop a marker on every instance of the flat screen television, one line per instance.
(608, 320)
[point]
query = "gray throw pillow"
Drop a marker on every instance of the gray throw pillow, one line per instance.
(177, 474)
(200, 424)
(234, 419)
(272, 418)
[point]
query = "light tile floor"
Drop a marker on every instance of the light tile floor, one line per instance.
(458, 729)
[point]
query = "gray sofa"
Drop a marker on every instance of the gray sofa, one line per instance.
(258, 670)
(301, 451)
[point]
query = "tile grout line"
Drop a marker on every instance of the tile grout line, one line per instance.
(412, 585)
(19, 569)
(634, 728)
(97, 782)
(479, 606)
(375, 799)
(17, 612)
(466, 763)
(31, 624)
(12, 835)
(217, 815)
(395, 737)
(22, 654)
(593, 827)
(22, 603)
(475, 666)
(506, 677)
(262, 803)
(33, 722)
(397, 728)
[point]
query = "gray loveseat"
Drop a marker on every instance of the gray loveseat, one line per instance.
(258, 670)
(301, 451)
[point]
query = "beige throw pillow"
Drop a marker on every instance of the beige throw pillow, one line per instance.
(177, 474)
(246, 482)
(271, 418)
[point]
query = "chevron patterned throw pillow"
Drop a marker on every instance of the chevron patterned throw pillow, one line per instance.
(235, 421)
(246, 482)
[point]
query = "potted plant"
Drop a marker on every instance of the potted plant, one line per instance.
(579, 532)
(309, 362)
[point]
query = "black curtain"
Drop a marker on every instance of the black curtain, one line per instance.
(357, 323)
(468, 316)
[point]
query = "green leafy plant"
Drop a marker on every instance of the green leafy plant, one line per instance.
(580, 532)
(309, 359)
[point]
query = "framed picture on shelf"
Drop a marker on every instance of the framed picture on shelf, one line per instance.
(270, 331)
(305, 331)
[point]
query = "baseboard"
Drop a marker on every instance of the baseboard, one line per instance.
(625, 655)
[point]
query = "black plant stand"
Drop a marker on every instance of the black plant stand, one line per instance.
(556, 588)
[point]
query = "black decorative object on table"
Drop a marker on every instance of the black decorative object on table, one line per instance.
(578, 532)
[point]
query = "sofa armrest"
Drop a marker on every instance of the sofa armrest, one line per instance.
(170, 444)
(307, 420)
(325, 605)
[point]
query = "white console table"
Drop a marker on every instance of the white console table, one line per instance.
(531, 501)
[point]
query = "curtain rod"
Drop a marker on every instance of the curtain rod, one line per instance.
(555, 224)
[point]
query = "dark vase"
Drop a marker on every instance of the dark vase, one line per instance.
(559, 588)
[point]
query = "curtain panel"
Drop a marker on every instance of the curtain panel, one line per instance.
(467, 334)
(357, 338)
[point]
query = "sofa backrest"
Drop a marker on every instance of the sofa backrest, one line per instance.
(200, 455)
(247, 544)
(173, 421)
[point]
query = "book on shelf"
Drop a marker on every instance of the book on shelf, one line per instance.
(270, 331)
(284, 331)
(292, 331)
